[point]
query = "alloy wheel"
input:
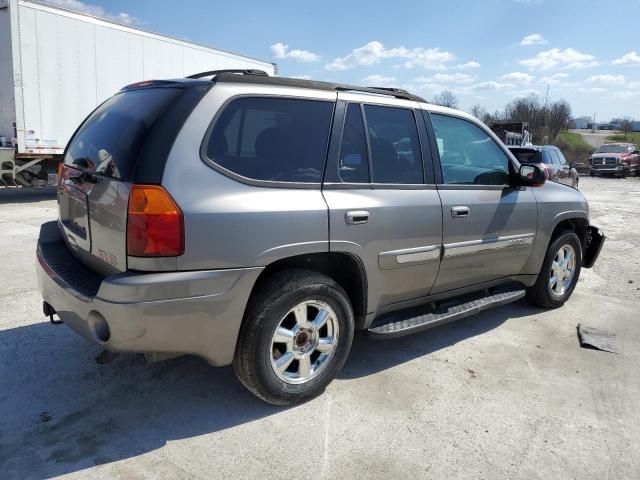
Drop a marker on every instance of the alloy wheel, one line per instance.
(304, 342)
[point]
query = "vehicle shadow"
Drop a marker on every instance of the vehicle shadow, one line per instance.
(366, 357)
(26, 195)
(60, 412)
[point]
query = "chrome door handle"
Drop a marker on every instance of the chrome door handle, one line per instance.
(460, 211)
(356, 217)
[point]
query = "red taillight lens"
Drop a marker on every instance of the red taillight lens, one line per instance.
(154, 223)
(60, 165)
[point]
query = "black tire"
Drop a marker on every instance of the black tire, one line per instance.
(540, 294)
(267, 307)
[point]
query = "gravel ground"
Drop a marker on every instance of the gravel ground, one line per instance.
(505, 394)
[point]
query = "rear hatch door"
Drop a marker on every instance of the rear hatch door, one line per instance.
(104, 157)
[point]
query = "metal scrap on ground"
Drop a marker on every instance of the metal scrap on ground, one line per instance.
(596, 339)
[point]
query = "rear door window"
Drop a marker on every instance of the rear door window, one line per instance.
(395, 148)
(273, 139)
(109, 141)
(354, 161)
(547, 158)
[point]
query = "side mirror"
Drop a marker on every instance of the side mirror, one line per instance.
(531, 176)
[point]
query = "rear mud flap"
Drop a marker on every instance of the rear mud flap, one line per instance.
(595, 240)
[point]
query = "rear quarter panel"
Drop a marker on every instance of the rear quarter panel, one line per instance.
(229, 224)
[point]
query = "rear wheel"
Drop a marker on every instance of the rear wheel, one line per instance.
(296, 336)
(559, 274)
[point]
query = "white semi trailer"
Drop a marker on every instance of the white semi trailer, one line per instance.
(57, 65)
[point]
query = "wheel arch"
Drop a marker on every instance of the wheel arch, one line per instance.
(346, 269)
(575, 221)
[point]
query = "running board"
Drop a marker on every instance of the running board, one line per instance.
(399, 324)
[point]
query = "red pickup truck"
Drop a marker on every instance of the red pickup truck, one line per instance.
(619, 159)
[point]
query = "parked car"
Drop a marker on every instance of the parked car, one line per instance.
(258, 221)
(619, 159)
(551, 160)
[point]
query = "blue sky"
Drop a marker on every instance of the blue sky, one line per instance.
(487, 52)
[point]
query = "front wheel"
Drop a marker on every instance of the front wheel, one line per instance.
(559, 274)
(295, 338)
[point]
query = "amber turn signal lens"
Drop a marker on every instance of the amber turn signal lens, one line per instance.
(154, 223)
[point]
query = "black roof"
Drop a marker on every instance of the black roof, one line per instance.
(261, 78)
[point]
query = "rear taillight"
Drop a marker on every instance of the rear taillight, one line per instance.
(545, 169)
(154, 223)
(60, 165)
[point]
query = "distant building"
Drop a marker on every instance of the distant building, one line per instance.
(580, 123)
(635, 126)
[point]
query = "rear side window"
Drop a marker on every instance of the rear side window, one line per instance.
(109, 141)
(395, 148)
(547, 157)
(527, 155)
(275, 139)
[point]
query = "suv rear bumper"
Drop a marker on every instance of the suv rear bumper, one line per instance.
(195, 312)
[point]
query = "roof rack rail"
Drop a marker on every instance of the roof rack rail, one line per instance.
(395, 92)
(246, 71)
(312, 84)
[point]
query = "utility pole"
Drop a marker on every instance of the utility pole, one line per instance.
(593, 127)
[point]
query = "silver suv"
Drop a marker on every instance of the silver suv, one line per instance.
(259, 221)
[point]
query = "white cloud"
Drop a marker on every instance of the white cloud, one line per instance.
(492, 85)
(429, 59)
(554, 79)
(378, 80)
(568, 58)
(280, 50)
(467, 66)
(95, 10)
(374, 52)
(447, 78)
(631, 58)
(593, 89)
(518, 77)
(533, 39)
(606, 79)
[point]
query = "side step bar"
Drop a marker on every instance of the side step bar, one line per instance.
(415, 320)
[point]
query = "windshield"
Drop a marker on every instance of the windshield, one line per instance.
(612, 149)
(527, 155)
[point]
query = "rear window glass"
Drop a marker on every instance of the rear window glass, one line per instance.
(527, 156)
(276, 139)
(109, 141)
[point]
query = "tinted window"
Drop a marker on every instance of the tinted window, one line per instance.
(468, 155)
(354, 163)
(547, 157)
(527, 155)
(278, 139)
(395, 149)
(111, 138)
(561, 159)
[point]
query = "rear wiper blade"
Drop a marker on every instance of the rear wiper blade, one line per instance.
(84, 177)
